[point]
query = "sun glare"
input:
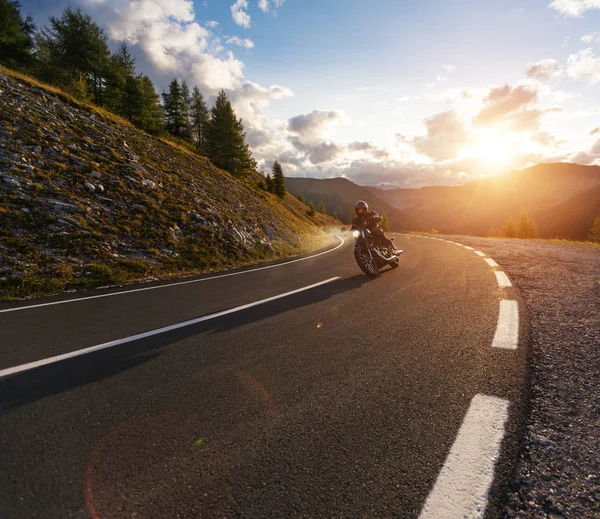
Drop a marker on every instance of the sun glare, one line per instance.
(494, 148)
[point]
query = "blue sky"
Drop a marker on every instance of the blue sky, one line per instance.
(385, 92)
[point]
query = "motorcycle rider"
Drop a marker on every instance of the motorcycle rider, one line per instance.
(369, 220)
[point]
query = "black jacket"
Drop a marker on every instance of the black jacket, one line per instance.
(367, 220)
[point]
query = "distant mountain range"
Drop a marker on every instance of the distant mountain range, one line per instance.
(562, 198)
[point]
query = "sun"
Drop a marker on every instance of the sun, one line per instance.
(493, 148)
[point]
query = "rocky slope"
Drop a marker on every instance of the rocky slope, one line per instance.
(87, 200)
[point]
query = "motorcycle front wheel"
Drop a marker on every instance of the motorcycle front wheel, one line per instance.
(366, 262)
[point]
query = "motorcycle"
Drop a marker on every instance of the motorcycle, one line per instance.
(370, 255)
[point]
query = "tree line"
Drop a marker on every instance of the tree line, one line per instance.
(72, 53)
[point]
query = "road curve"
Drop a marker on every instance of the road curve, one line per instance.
(313, 391)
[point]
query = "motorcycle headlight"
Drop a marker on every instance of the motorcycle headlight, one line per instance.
(356, 234)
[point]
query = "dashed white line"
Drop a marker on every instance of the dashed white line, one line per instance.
(120, 293)
(507, 330)
(462, 486)
(51, 360)
(479, 253)
(502, 278)
(491, 262)
(469, 248)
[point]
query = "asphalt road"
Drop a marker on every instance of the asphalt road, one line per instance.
(343, 400)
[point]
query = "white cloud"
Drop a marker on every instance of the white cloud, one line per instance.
(446, 134)
(449, 68)
(574, 7)
(593, 37)
(239, 14)
(246, 43)
(584, 64)
(311, 126)
(212, 24)
(544, 69)
(266, 5)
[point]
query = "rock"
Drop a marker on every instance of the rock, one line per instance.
(176, 233)
(100, 188)
(139, 207)
(52, 138)
(138, 168)
(25, 210)
(149, 183)
(90, 187)
(96, 175)
(73, 148)
(11, 181)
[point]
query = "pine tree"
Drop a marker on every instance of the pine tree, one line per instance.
(278, 180)
(74, 44)
(510, 228)
(175, 111)
(118, 82)
(335, 215)
(321, 208)
(594, 234)
(186, 98)
(226, 140)
(16, 36)
(269, 182)
(200, 119)
(144, 109)
(385, 223)
(300, 198)
(526, 227)
(311, 209)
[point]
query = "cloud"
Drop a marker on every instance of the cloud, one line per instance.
(593, 37)
(510, 107)
(312, 125)
(446, 134)
(212, 24)
(240, 16)
(266, 5)
(449, 68)
(544, 69)
(246, 42)
(574, 7)
(584, 64)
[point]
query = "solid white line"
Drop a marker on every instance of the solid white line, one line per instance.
(461, 489)
(480, 254)
(491, 262)
(502, 278)
(84, 351)
(507, 330)
(18, 309)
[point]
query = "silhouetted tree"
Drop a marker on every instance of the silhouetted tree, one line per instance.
(175, 111)
(594, 234)
(269, 182)
(510, 228)
(300, 198)
(526, 226)
(311, 209)
(321, 208)
(16, 36)
(278, 180)
(385, 223)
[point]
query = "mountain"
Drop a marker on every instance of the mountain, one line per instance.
(339, 196)
(87, 200)
(475, 207)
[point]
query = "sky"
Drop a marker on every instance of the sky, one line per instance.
(386, 93)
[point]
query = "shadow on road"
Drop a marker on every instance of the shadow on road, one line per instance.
(45, 381)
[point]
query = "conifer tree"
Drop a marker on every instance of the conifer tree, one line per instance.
(526, 226)
(200, 119)
(174, 106)
(186, 98)
(300, 198)
(385, 223)
(118, 82)
(594, 234)
(278, 180)
(321, 208)
(311, 209)
(335, 215)
(226, 140)
(269, 182)
(16, 36)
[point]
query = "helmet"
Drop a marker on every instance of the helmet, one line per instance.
(361, 207)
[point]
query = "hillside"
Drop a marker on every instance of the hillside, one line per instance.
(475, 207)
(88, 200)
(339, 196)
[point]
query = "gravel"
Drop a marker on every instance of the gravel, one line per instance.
(558, 474)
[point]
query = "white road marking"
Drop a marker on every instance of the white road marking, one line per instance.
(112, 294)
(507, 330)
(479, 253)
(491, 262)
(469, 248)
(462, 486)
(502, 278)
(51, 360)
